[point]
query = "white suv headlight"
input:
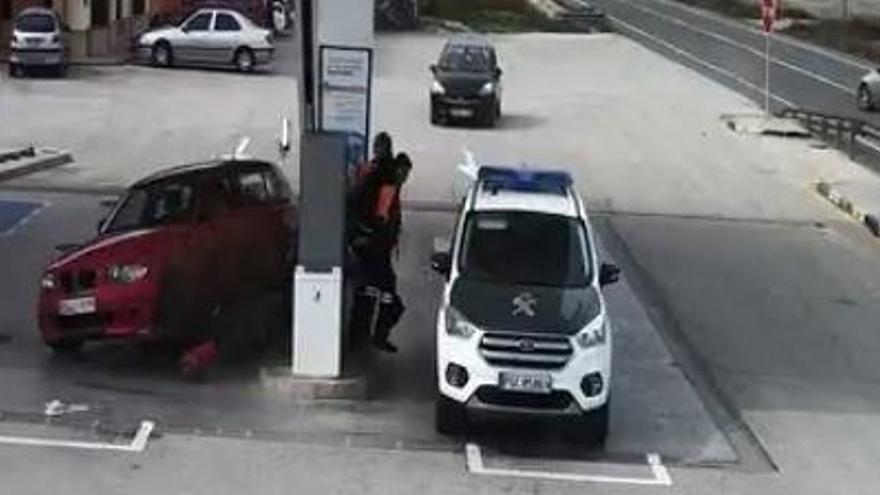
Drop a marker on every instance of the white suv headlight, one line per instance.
(593, 337)
(487, 88)
(437, 88)
(458, 325)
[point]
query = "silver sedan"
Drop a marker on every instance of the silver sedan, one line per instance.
(209, 37)
(868, 94)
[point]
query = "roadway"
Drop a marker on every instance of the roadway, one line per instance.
(732, 52)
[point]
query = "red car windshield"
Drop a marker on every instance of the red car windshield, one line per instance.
(154, 205)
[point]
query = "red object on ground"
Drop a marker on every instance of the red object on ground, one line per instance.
(199, 358)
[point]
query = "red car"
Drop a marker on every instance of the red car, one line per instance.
(179, 247)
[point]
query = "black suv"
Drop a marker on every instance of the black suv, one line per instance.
(467, 82)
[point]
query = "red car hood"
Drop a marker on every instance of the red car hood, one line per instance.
(124, 247)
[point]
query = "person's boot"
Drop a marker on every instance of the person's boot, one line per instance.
(384, 346)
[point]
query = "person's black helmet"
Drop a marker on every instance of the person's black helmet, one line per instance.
(382, 146)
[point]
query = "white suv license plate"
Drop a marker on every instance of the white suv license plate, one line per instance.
(79, 306)
(461, 112)
(525, 382)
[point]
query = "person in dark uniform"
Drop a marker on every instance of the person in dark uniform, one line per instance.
(377, 235)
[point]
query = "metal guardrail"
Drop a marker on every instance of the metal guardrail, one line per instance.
(845, 132)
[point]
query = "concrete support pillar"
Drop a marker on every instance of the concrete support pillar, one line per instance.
(78, 14)
(339, 25)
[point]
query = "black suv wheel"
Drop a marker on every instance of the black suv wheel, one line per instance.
(592, 427)
(450, 417)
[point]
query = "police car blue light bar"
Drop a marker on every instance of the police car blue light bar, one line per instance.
(524, 180)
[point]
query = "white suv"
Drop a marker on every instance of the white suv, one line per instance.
(522, 328)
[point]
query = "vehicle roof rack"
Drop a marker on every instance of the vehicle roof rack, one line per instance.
(497, 178)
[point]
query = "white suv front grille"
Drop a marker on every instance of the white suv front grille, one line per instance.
(543, 351)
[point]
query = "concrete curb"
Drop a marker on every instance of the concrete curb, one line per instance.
(88, 62)
(871, 221)
(354, 386)
(548, 8)
(42, 159)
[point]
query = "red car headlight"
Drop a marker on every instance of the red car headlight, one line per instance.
(127, 274)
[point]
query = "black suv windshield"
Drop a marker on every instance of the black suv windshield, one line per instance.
(525, 249)
(463, 58)
(35, 23)
(157, 204)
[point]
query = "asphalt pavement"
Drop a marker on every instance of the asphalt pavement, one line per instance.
(733, 53)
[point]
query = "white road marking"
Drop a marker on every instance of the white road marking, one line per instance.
(868, 143)
(700, 61)
(784, 38)
(25, 219)
(660, 476)
(138, 443)
(742, 46)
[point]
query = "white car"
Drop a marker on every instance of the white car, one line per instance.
(209, 37)
(522, 328)
(37, 41)
(868, 93)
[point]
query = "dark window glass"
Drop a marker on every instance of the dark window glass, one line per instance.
(158, 204)
(226, 22)
(464, 58)
(5, 10)
(525, 249)
(200, 22)
(35, 23)
(254, 188)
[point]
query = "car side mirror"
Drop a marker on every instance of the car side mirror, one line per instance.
(441, 263)
(608, 274)
(433, 68)
(498, 72)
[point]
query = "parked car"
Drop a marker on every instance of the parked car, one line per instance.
(868, 93)
(467, 82)
(37, 41)
(209, 37)
(180, 247)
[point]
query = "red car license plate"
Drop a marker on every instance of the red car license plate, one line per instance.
(78, 306)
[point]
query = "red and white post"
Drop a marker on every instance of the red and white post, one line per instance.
(769, 12)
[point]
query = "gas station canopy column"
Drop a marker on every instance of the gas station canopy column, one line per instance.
(335, 86)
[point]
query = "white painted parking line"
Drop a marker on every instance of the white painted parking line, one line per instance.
(138, 443)
(25, 219)
(660, 475)
(691, 56)
(742, 46)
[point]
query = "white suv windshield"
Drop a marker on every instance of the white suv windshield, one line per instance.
(525, 249)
